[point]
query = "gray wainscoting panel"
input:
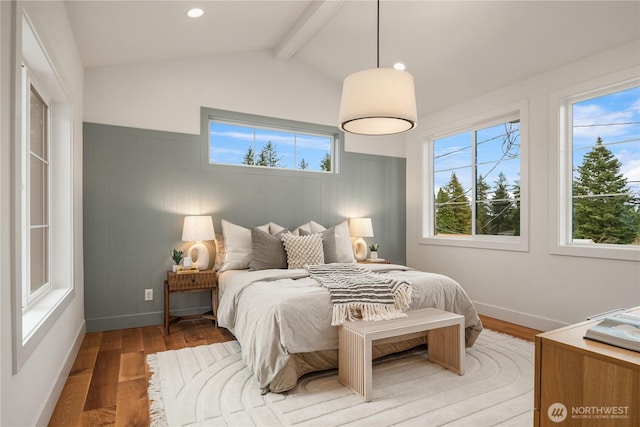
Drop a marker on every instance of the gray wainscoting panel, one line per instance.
(139, 185)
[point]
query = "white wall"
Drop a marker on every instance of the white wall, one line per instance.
(533, 288)
(28, 397)
(167, 95)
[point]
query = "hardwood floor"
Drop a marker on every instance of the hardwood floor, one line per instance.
(107, 384)
(512, 329)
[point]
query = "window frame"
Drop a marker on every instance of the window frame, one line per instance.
(31, 325)
(470, 124)
(561, 181)
(30, 298)
(272, 124)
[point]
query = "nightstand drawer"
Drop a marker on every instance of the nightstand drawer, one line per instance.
(201, 279)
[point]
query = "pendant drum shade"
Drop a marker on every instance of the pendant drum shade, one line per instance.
(378, 101)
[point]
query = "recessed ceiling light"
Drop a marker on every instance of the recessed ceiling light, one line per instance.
(196, 12)
(399, 66)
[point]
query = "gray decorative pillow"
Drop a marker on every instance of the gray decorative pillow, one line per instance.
(268, 250)
(303, 250)
(328, 244)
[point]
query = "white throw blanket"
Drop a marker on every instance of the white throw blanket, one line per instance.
(361, 294)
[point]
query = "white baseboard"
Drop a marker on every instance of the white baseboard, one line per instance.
(56, 390)
(512, 316)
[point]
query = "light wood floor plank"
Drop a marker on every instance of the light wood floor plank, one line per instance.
(132, 366)
(132, 340)
(111, 340)
(153, 339)
(133, 403)
(102, 417)
(104, 383)
(71, 403)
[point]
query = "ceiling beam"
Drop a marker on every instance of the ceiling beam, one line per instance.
(311, 20)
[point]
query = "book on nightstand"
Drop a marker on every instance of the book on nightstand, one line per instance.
(187, 270)
(622, 331)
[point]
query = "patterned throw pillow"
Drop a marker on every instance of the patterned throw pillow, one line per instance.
(303, 250)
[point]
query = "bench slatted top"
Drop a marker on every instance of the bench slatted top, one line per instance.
(416, 321)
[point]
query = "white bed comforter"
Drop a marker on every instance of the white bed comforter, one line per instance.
(274, 313)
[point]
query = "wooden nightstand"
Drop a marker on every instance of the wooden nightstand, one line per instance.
(366, 261)
(205, 280)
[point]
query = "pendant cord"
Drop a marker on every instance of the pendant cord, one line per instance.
(378, 38)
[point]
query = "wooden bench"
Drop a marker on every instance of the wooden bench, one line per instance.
(445, 340)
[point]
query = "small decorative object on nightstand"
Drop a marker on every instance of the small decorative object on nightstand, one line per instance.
(373, 251)
(176, 256)
(196, 281)
(375, 261)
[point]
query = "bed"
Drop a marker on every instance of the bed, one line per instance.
(281, 317)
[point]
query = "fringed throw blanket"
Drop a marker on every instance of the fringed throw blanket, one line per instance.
(360, 294)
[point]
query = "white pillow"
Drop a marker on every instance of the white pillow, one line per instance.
(344, 250)
(237, 244)
(275, 228)
(311, 227)
(303, 250)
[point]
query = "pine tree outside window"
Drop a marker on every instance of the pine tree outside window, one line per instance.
(472, 184)
(269, 146)
(605, 147)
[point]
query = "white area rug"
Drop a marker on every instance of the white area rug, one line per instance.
(211, 386)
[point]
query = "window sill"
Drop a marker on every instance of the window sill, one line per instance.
(502, 243)
(36, 315)
(598, 251)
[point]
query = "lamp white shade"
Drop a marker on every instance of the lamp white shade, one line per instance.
(198, 228)
(378, 101)
(360, 227)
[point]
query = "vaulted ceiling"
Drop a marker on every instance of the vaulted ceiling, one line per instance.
(454, 49)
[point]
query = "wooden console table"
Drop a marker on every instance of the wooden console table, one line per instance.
(579, 382)
(205, 280)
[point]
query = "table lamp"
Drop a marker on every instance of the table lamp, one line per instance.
(359, 228)
(198, 228)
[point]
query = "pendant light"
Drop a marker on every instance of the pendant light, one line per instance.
(378, 101)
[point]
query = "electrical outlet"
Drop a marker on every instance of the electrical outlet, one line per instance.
(148, 294)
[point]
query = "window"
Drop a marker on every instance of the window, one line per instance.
(37, 145)
(472, 185)
(44, 176)
(268, 145)
(600, 204)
